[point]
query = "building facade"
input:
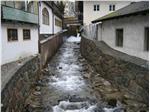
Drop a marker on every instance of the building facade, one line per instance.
(19, 30)
(23, 23)
(45, 19)
(127, 30)
(95, 9)
(50, 18)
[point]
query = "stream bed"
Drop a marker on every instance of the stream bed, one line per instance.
(65, 85)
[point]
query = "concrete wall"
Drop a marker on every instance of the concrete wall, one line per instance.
(50, 46)
(45, 29)
(12, 51)
(15, 92)
(89, 13)
(57, 28)
(133, 37)
(124, 71)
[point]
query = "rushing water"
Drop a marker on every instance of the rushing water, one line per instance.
(69, 80)
(66, 90)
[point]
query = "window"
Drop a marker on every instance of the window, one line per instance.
(3, 2)
(146, 39)
(119, 37)
(10, 3)
(20, 5)
(58, 22)
(45, 15)
(96, 7)
(30, 7)
(12, 34)
(111, 7)
(26, 34)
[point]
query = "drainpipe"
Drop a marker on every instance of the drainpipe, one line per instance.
(97, 32)
(53, 23)
(101, 30)
(39, 5)
(53, 19)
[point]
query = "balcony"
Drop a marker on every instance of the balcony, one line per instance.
(9, 13)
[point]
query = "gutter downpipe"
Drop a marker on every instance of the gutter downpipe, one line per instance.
(53, 23)
(53, 19)
(39, 6)
(101, 30)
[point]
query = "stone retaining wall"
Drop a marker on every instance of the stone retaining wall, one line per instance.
(18, 88)
(122, 70)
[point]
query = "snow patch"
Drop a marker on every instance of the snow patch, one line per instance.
(74, 39)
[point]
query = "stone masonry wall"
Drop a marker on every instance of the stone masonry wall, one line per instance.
(19, 86)
(122, 70)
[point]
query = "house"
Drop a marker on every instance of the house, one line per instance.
(127, 29)
(95, 9)
(23, 25)
(19, 30)
(50, 18)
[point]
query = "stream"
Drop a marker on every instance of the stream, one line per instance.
(63, 85)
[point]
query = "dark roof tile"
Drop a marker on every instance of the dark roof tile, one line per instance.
(133, 8)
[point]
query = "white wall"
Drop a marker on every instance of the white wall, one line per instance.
(133, 37)
(12, 51)
(89, 13)
(57, 28)
(45, 29)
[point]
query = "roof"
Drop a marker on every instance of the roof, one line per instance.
(133, 8)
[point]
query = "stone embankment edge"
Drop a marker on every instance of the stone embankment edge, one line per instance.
(128, 73)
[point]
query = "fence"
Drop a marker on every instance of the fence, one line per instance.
(90, 31)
